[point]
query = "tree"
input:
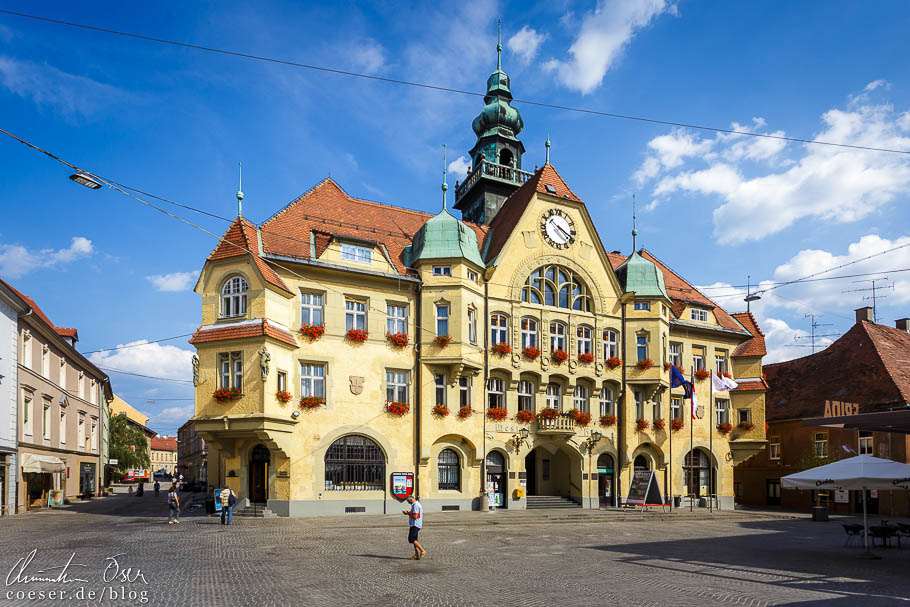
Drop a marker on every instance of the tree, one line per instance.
(128, 444)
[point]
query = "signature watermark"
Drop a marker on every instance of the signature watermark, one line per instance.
(112, 580)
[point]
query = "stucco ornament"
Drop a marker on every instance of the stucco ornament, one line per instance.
(264, 359)
(195, 370)
(356, 384)
(699, 412)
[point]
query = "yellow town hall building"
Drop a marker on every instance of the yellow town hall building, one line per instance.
(508, 359)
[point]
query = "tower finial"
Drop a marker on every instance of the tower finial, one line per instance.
(548, 149)
(499, 47)
(445, 186)
(240, 190)
(634, 231)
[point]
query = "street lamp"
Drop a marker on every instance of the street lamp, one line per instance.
(85, 179)
(520, 438)
(593, 440)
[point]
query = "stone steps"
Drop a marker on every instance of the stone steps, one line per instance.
(255, 511)
(536, 502)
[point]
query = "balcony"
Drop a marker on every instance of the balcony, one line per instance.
(559, 426)
(492, 170)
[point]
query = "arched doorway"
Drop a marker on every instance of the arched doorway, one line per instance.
(553, 470)
(606, 481)
(641, 463)
(259, 474)
(496, 479)
(696, 470)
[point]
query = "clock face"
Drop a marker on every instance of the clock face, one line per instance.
(557, 228)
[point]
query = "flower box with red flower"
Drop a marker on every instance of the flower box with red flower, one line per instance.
(396, 408)
(311, 402)
(746, 425)
(399, 340)
(226, 394)
(666, 366)
(582, 418)
(644, 364)
(311, 331)
(560, 356)
(614, 361)
(607, 420)
(727, 375)
(659, 423)
(702, 374)
(465, 412)
(530, 352)
(586, 357)
(440, 410)
(725, 427)
(357, 336)
(525, 416)
(642, 424)
(548, 413)
(283, 396)
(497, 414)
(677, 424)
(501, 349)
(442, 340)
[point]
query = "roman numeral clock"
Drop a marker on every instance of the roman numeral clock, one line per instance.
(557, 228)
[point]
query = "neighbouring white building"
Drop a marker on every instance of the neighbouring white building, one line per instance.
(10, 309)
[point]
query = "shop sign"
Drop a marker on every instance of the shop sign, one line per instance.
(402, 484)
(836, 408)
(841, 496)
(644, 490)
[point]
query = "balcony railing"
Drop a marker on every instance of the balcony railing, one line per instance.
(496, 171)
(559, 425)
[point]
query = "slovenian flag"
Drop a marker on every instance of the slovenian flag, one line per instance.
(676, 380)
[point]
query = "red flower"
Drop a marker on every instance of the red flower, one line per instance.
(284, 396)
(530, 352)
(548, 413)
(582, 418)
(614, 361)
(465, 412)
(313, 332)
(645, 363)
(440, 410)
(659, 423)
(396, 408)
(586, 357)
(702, 374)
(642, 424)
(357, 336)
(666, 366)
(560, 356)
(226, 394)
(746, 425)
(399, 340)
(497, 414)
(525, 417)
(501, 349)
(607, 420)
(311, 402)
(677, 424)
(725, 427)
(727, 375)
(442, 340)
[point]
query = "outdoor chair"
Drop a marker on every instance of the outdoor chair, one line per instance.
(884, 533)
(853, 531)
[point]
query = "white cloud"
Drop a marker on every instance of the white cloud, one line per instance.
(148, 359)
(604, 34)
(175, 281)
(367, 56)
(824, 182)
(172, 415)
(47, 86)
(459, 167)
(525, 43)
(17, 261)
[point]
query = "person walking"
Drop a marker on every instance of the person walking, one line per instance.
(228, 499)
(173, 504)
(415, 524)
(157, 488)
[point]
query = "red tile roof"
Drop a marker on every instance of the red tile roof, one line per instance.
(751, 386)
(240, 239)
(61, 331)
(328, 211)
(868, 365)
(162, 443)
(241, 331)
(514, 206)
(754, 346)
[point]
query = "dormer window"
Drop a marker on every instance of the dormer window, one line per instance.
(352, 252)
(698, 314)
(642, 305)
(233, 297)
(442, 270)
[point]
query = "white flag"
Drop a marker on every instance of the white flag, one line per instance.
(721, 383)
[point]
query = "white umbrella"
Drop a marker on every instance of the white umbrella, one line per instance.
(862, 472)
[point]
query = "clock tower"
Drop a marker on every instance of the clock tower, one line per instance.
(496, 156)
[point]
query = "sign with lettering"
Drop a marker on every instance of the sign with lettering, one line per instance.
(644, 490)
(402, 484)
(836, 408)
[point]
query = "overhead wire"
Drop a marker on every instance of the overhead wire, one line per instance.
(146, 343)
(170, 379)
(446, 89)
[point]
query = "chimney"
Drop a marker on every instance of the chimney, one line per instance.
(903, 324)
(864, 313)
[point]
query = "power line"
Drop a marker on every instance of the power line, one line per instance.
(137, 345)
(446, 89)
(177, 381)
(807, 280)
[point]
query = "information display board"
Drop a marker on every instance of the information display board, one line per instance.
(402, 484)
(644, 490)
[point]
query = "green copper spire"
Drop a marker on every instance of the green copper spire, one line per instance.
(642, 276)
(634, 231)
(445, 186)
(240, 190)
(499, 48)
(547, 144)
(498, 116)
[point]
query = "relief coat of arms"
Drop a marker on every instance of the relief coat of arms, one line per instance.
(356, 384)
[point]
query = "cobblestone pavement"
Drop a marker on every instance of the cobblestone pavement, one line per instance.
(527, 558)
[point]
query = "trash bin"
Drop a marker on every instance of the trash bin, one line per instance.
(819, 513)
(677, 501)
(210, 504)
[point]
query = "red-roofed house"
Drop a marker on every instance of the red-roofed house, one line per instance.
(163, 455)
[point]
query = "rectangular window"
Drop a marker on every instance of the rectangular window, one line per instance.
(81, 435)
(742, 416)
(464, 391)
(584, 340)
(355, 315)
(676, 407)
(557, 336)
(26, 413)
(721, 410)
(606, 401)
(774, 447)
(312, 380)
(81, 385)
(62, 431)
(698, 359)
(396, 386)
(528, 333)
(676, 355)
(865, 443)
(440, 380)
(27, 349)
(91, 392)
(472, 326)
(656, 408)
(611, 343)
(92, 435)
(720, 360)
(442, 270)
(820, 444)
(230, 365)
(46, 422)
(352, 252)
(62, 381)
(641, 347)
(311, 310)
(496, 393)
(554, 397)
(472, 275)
(525, 396)
(642, 305)
(639, 404)
(237, 362)
(397, 321)
(45, 362)
(442, 320)
(580, 398)
(282, 381)
(499, 329)
(699, 315)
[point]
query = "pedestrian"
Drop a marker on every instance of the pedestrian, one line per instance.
(415, 524)
(157, 488)
(140, 490)
(228, 499)
(173, 504)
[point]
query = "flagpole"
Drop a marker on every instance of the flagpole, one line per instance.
(691, 436)
(669, 495)
(711, 448)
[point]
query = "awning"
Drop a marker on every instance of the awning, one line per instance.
(42, 464)
(896, 421)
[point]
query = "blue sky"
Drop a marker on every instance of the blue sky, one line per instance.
(175, 122)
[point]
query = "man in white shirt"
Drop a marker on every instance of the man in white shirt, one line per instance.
(415, 524)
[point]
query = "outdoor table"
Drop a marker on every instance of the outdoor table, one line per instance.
(884, 533)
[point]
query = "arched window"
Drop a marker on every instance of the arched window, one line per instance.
(496, 393)
(580, 398)
(528, 333)
(499, 329)
(505, 157)
(557, 336)
(354, 463)
(611, 343)
(558, 287)
(449, 470)
(641, 463)
(696, 469)
(525, 396)
(554, 396)
(233, 297)
(606, 401)
(584, 339)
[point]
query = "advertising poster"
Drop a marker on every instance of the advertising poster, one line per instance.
(402, 484)
(55, 498)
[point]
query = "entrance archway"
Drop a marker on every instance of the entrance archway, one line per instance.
(497, 479)
(606, 481)
(553, 471)
(641, 463)
(259, 474)
(696, 468)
